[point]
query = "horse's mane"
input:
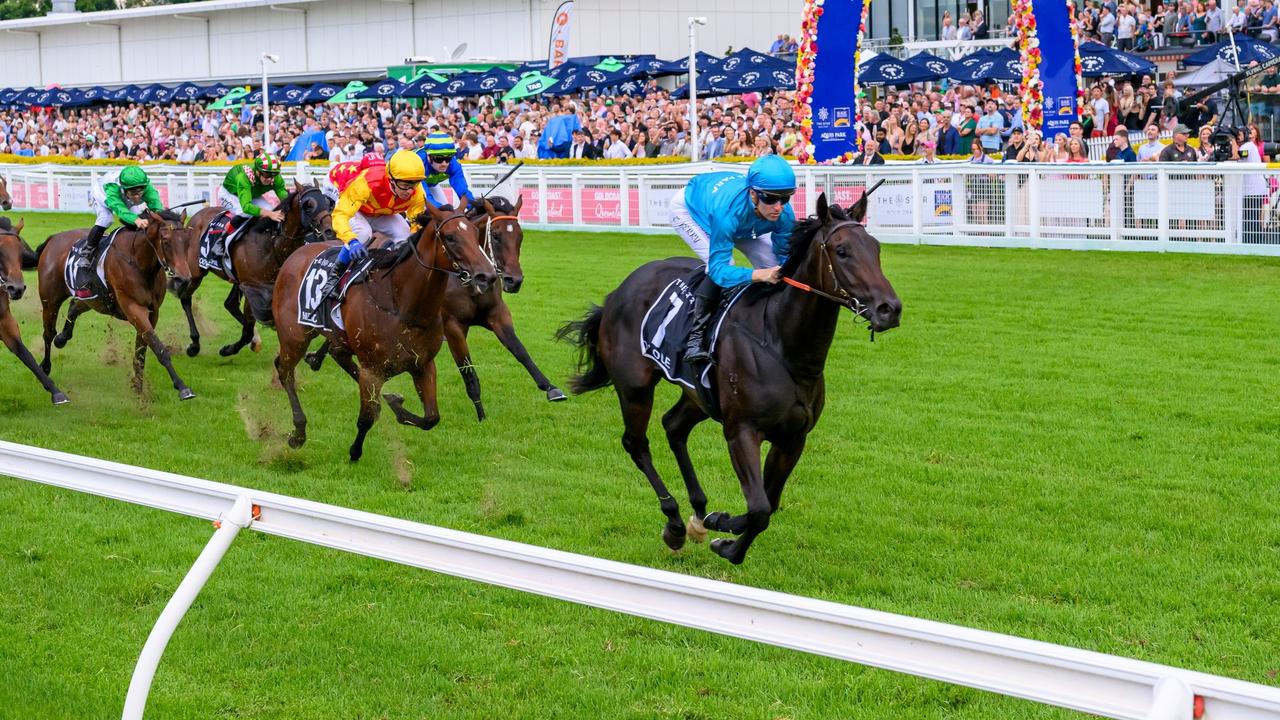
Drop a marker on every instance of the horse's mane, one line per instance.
(801, 238)
(502, 205)
(170, 215)
(384, 258)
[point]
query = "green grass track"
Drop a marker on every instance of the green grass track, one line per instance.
(1074, 447)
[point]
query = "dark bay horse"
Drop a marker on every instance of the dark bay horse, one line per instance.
(12, 287)
(392, 320)
(768, 373)
(464, 309)
(256, 258)
(136, 267)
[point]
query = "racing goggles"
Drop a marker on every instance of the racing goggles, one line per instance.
(774, 198)
(404, 185)
(439, 159)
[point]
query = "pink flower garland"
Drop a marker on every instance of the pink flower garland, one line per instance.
(1032, 87)
(1075, 41)
(806, 57)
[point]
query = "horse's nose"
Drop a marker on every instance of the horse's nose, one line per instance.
(16, 291)
(512, 284)
(6, 205)
(482, 282)
(888, 313)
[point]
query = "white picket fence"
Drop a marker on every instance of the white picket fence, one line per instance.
(1189, 207)
(1090, 682)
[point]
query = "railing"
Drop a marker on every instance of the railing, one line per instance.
(1192, 207)
(1090, 682)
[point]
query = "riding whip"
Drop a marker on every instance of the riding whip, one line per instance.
(506, 177)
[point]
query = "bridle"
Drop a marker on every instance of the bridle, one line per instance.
(4, 278)
(313, 222)
(487, 248)
(838, 294)
(463, 276)
(164, 264)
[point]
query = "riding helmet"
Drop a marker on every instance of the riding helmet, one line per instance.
(440, 144)
(133, 177)
(265, 163)
(771, 173)
(406, 165)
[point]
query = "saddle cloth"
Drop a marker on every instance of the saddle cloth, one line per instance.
(215, 243)
(666, 327)
(88, 283)
(321, 312)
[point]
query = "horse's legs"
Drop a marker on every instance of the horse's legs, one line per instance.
(50, 305)
(291, 349)
(144, 320)
(637, 405)
(12, 337)
(193, 332)
(370, 405)
(316, 358)
(245, 318)
(74, 310)
(679, 422)
(456, 335)
(778, 464)
(744, 451)
(424, 379)
(501, 324)
(347, 362)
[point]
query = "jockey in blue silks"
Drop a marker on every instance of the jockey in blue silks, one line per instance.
(440, 156)
(717, 212)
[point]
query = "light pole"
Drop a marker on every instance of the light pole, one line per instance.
(266, 115)
(694, 22)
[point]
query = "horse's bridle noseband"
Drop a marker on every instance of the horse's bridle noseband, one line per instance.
(314, 223)
(839, 294)
(4, 278)
(487, 248)
(463, 276)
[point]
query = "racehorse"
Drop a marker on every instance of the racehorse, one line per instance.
(768, 372)
(392, 320)
(13, 286)
(27, 255)
(256, 257)
(463, 309)
(136, 266)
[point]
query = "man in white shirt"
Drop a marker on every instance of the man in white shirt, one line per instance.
(1149, 151)
(617, 149)
(1101, 108)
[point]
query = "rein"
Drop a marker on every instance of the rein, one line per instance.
(4, 278)
(841, 296)
(463, 276)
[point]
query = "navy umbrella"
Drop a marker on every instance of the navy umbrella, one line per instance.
(932, 63)
(287, 95)
(1097, 60)
(28, 96)
(97, 93)
(497, 80)
(705, 63)
(149, 93)
(253, 98)
(213, 92)
(8, 95)
(186, 92)
(456, 86)
(747, 59)
(883, 70)
(1246, 50)
(128, 93)
(1004, 65)
(424, 86)
(384, 89)
(318, 93)
(65, 98)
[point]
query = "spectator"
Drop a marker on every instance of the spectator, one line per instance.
(1179, 150)
(948, 31)
(989, 127)
(1119, 150)
(948, 135)
(928, 152)
(967, 130)
(868, 158)
(1255, 193)
(617, 149)
(1151, 149)
(980, 29)
(1214, 23)
(776, 47)
(1016, 147)
(1204, 138)
(1076, 151)
(1126, 29)
(978, 155)
(964, 33)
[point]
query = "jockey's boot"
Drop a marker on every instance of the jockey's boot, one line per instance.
(331, 284)
(705, 300)
(91, 243)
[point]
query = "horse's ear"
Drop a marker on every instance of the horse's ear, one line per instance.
(22, 222)
(315, 183)
(297, 186)
(824, 210)
(488, 207)
(519, 202)
(183, 216)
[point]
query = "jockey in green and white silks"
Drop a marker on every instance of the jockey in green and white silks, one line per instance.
(440, 156)
(123, 196)
(247, 191)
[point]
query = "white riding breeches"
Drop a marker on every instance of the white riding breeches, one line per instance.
(395, 227)
(98, 201)
(759, 250)
(231, 203)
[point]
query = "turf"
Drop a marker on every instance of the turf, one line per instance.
(1076, 447)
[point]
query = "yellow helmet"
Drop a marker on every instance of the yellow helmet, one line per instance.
(406, 165)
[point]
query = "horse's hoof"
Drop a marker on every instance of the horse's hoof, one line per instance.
(480, 415)
(193, 350)
(186, 394)
(555, 394)
(724, 548)
(60, 399)
(228, 350)
(256, 344)
(673, 539)
(297, 440)
(713, 521)
(356, 453)
(60, 341)
(313, 360)
(695, 529)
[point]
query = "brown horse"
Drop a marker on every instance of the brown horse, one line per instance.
(256, 258)
(136, 266)
(768, 368)
(392, 321)
(12, 287)
(28, 256)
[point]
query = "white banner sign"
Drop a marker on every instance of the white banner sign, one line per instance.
(558, 45)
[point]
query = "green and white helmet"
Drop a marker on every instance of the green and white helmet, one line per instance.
(265, 163)
(133, 177)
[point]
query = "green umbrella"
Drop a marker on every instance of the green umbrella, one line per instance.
(610, 65)
(345, 94)
(531, 83)
(230, 100)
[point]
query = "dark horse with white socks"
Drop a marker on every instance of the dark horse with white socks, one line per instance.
(768, 372)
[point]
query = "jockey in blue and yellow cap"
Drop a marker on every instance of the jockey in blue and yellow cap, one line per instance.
(440, 156)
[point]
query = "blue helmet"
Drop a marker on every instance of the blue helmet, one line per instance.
(771, 173)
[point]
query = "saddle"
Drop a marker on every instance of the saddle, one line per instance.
(84, 281)
(326, 312)
(666, 326)
(215, 242)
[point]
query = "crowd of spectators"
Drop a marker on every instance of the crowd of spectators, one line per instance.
(1131, 26)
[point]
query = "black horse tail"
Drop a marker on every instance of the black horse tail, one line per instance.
(585, 335)
(40, 248)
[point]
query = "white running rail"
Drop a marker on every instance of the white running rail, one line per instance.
(1090, 682)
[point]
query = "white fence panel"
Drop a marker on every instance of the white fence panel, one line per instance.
(1052, 674)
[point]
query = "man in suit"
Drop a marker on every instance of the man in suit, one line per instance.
(582, 148)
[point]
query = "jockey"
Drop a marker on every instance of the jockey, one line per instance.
(440, 157)
(373, 202)
(341, 175)
(245, 191)
(717, 212)
(124, 197)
